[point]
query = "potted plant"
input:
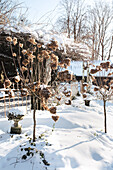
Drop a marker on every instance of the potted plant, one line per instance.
(16, 115)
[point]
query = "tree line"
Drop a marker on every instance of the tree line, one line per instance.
(89, 24)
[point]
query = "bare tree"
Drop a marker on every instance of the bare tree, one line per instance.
(11, 14)
(100, 24)
(79, 20)
(73, 19)
(66, 16)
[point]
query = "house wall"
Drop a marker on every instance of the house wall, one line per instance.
(76, 68)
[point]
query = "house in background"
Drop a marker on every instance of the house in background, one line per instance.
(76, 68)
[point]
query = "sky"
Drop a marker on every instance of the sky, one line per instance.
(39, 9)
(43, 10)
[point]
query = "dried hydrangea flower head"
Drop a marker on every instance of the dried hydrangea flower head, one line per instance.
(9, 39)
(96, 88)
(111, 86)
(7, 83)
(14, 54)
(14, 40)
(24, 52)
(25, 62)
(55, 118)
(54, 61)
(23, 69)
(93, 71)
(110, 74)
(24, 92)
(45, 93)
(58, 98)
(39, 45)
(32, 41)
(68, 102)
(20, 45)
(52, 110)
(105, 65)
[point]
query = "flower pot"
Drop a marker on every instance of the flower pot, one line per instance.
(87, 102)
(15, 115)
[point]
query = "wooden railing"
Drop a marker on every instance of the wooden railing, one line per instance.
(6, 103)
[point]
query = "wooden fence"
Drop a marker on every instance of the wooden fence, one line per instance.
(7, 103)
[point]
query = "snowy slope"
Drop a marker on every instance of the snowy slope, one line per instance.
(77, 142)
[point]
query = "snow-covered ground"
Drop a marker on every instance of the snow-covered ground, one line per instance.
(76, 142)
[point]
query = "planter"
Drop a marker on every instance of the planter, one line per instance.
(16, 115)
(16, 130)
(87, 102)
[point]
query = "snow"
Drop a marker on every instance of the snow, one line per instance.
(63, 42)
(17, 78)
(2, 94)
(88, 96)
(43, 86)
(76, 142)
(17, 111)
(12, 93)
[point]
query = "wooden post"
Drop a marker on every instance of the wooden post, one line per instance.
(88, 77)
(14, 96)
(71, 89)
(105, 119)
(22, 95)
(81, 87)
(34, 121)
(26, 104)
(30, 103)
(83, 72)
(22, 100)
(4, 106)
(18, 99)
(18, 93)
(9, 103)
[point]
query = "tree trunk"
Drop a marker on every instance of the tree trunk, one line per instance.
(105, 121)
(102, 51)
(109, 55)
(68, 26)
(74, 32)
(34, 121)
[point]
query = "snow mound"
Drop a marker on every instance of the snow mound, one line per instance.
(17, 111)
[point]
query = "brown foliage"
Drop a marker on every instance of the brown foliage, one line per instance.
(96, 88)
(68, 102)
(105, 65)
(55, 118)
(52, 110)
(7, 83)
(93, 71)
(45, 93)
